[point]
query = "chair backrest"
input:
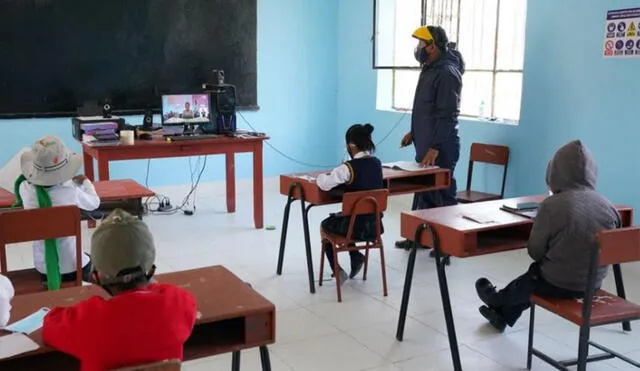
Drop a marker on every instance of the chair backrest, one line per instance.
(489, 154)
(40, 224)
(364, 202)
(621, 245)
(168, 365)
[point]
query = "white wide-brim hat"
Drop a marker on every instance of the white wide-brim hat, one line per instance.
(49, 162)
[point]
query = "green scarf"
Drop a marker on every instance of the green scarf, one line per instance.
(54, 279)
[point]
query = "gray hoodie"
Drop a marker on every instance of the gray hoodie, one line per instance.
(564, 230)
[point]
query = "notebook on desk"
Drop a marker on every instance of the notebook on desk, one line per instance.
(527, 213)
(407, 166)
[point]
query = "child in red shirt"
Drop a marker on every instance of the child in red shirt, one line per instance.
(143, 322)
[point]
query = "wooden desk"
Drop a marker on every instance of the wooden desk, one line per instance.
(448, 233)
(158, 148)
(232, 317)
(126, 194)
(398, 182)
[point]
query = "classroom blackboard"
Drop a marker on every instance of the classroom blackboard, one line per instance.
(57, 55)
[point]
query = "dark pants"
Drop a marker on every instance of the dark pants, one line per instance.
(515, 298)
(70, 277)
(447, 159)
(337, 224)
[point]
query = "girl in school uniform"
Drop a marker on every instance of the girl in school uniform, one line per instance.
(6, 294)
(49, 179)
(363, 172)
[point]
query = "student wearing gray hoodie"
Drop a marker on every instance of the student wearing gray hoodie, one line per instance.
(562, 236)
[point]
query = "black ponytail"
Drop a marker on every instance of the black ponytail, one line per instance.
(360, 136)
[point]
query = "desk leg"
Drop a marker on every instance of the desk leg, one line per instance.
(88, 165)
(446, 304)
(231, 181)
(265, 360)
(307, 244)
(235, 361)
(258, 188)
(408, 279)
(617, 274)
(103, 169)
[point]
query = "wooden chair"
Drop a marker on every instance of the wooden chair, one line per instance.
(488, 154)
(598, 307)
(353, 205)
(38, 224)
(168, 365)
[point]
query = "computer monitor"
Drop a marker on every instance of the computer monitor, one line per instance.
(188, 109)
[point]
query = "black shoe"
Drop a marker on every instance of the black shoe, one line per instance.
(494, 318)
(486, 292)
(404, 244)
(357, 262)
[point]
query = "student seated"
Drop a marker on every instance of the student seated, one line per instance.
(560, 242)
(142, 322)
(362, 173)
(6, 294)
(49, 179)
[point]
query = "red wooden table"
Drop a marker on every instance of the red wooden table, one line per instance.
(158, 148)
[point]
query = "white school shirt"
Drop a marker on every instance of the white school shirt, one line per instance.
(6, 294)
(83, 196)
(337, 176)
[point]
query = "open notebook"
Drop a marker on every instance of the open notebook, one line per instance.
(407, 166)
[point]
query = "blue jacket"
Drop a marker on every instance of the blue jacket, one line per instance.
(434, 119)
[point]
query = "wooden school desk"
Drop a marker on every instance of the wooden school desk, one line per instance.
(445, 230)
(158, 148)
(303, 187)
(125, 194)
(231, 317)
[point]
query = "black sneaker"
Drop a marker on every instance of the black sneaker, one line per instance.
(495, 319)
(357, 262)
(404, 244)
(486, 292)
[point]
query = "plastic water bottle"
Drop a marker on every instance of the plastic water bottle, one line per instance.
(481, 110)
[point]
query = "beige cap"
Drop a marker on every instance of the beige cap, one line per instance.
(121, 242)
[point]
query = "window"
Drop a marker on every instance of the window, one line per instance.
(489, 34)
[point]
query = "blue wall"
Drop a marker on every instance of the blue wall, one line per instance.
(570, 91)
(296, 92)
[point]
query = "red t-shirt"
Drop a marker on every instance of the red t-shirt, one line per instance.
(140, 326)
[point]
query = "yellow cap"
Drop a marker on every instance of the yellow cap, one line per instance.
(422, 33)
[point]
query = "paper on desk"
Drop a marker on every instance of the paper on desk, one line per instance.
(14, 344)
(30, 323)
(306, 177)
(407, 166)
(479, 218)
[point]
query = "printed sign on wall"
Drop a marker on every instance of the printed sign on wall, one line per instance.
(622, 34)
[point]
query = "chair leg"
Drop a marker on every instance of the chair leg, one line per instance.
(366, 263)
(336, 272)
(383, 267)
(532, 318)
(583, 347)
(321, 263)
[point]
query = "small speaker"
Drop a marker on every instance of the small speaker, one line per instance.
(106, 110)
(147, 122)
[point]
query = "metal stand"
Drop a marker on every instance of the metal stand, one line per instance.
(265, 360)
(444, 293)
(305, 226)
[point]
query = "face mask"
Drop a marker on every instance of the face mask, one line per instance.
(421, 55)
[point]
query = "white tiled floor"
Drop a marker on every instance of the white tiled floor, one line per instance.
(314, 332)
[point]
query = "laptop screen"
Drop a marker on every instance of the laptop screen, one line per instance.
(185, 109)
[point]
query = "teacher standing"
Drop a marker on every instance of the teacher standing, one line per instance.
(434, 118)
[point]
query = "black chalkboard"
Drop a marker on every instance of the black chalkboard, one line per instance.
(57, 55)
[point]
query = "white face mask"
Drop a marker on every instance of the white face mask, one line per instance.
(550, 193)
